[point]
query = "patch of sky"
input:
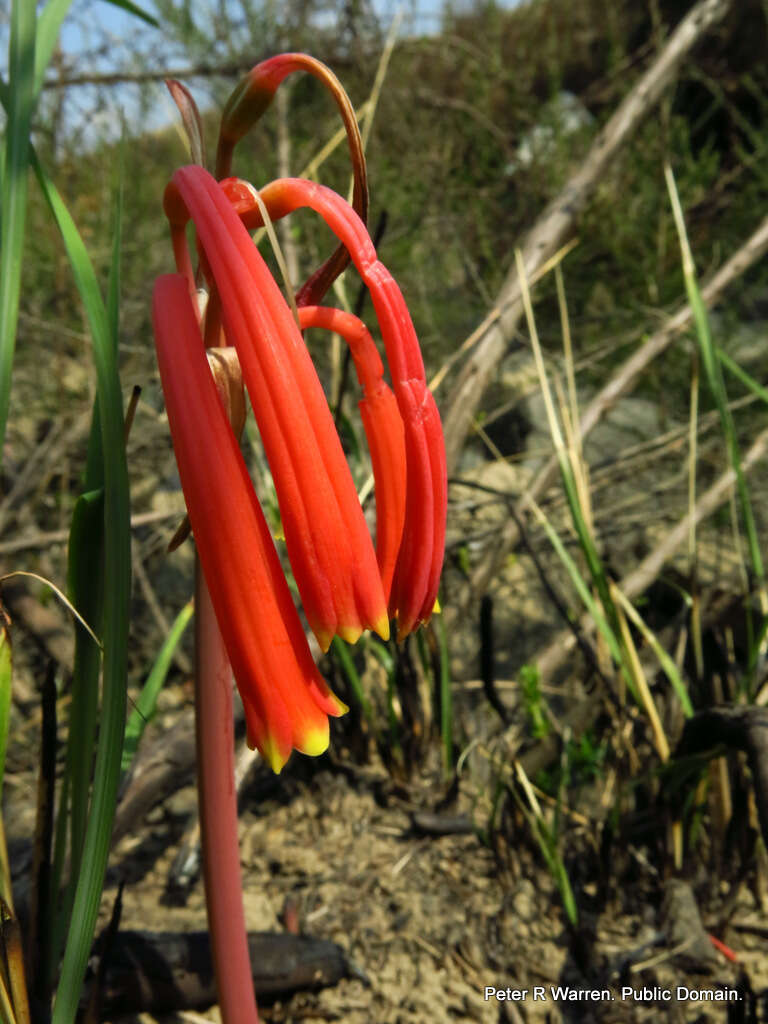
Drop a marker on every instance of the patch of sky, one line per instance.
(99, 40)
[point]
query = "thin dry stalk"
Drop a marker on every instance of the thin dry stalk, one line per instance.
(560, 648)
(44, 540)
(381, 74)
(646, 697)
(14, 965)
(494, 315)
(621, 382)
(570, 369)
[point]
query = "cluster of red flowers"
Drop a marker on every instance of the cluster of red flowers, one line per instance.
(346, 586)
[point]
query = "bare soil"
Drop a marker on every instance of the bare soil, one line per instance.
(429, 923)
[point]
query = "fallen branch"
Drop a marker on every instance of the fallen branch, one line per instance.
(44, 540)
(739, 728)
(558, 221)
(187, 864)
(158, 770)
(621, 382)
(228, 70)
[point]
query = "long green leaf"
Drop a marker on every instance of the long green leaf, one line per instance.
(85, 583)
(132, 8)
(48, 26)
(117, 570)
(145, 706)
(13, 202)
(85, 579)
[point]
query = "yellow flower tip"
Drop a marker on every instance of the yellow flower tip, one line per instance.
(436, 610)
(381, 626)
(403, 632)
(350, 633)
(341, 707)
(272, 755)
(324, 638)
(315, 740)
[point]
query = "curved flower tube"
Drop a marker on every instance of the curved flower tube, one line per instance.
(417, 573)
(251, 97)
(327, 538)
(383, 430)
(286, 699)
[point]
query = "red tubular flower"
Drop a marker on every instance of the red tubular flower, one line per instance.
(345, 586)
(383, 430)
(328, 544)
(417, 572)
(286, 700)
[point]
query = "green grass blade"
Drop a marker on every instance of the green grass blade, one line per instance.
(586, 540)
(756, 647)
(348, 668)
(48, 26)
(383, 654)
(131, 8)
(387, 655)
(547, 837)
(667, 664)
(117, 569)
(592, 606)
(144, 707)
(85, 583)
(746, 379)
(19, 100)
(85, 577)
(714, 376)
(446, 698)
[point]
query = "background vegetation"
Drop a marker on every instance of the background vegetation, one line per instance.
(577, 766)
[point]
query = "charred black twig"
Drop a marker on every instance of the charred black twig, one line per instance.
(487, 661)
(38, 943)
(156, 971)
(738, 728)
